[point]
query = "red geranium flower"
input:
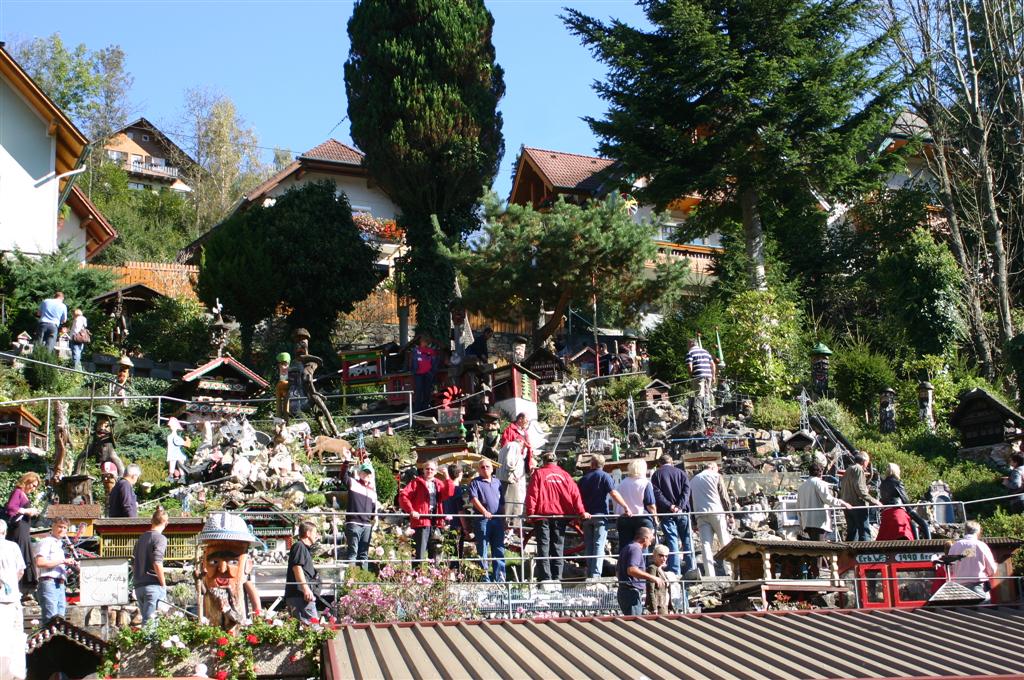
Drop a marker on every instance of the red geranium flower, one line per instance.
(222, 641)
(221, 654)
(252, 639)
(314, 620)
(221, 675)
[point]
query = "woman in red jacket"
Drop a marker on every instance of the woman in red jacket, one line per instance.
(424, 496)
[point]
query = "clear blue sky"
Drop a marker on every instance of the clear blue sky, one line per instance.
(281, 62)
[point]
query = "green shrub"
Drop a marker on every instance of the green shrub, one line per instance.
(13, 385)
(625, 387)
(315, 500)
(387, 485)
(836, 414)
(859, 376)
(608, 413)
(1009, 525)
(776, 413)
(175, 329)
(548, 413)
(390, 449)
(42, 377)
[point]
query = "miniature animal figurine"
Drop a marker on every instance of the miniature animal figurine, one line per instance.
(341, 448)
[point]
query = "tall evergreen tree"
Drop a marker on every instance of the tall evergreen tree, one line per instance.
(749, 103)
(423, 89)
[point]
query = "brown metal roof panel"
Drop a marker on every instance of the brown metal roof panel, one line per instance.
(911, 629)
(689, 635)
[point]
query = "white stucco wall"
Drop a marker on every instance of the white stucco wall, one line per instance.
(362, 197)
(73, 234)
(28, 208)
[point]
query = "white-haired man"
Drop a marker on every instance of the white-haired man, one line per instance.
(977, 565)
(710, 504)
(122, 501)
(12, 566)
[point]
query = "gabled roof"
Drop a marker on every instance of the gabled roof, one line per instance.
(135, 297)
(20, 410)
(978, 394)
(99, 232)
(59, 626)
(71, 143)
(161, 138)
(334, 151)
(228, 361)
(567, 171)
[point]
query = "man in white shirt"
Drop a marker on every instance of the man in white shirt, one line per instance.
(12, 643)
(814, 497)
(711, 502)
(53, 568)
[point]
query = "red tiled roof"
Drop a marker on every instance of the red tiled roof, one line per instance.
(99, 232)
(224, 361)
(571, 171)
(335, 152)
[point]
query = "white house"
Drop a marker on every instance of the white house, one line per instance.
(39, 150)
(333, 161)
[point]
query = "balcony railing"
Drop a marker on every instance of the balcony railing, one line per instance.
(150, 169)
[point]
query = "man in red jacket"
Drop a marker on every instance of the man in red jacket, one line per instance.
(424, 496)
(551, 497)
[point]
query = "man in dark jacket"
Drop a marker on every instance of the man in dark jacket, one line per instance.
(672, 499)
(122, 501)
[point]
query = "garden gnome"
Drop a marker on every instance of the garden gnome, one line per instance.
(926, 404)
(102, 445)
(819, 368)
(284, 360)
(887, 411)
(124, 373)
(225, 541)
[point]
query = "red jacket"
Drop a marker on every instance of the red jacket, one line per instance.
(512, 433)
(553, 492)
(415, 497)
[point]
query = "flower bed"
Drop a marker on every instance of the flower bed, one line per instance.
(176, 646)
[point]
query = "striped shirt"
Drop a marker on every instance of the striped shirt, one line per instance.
(699, 361)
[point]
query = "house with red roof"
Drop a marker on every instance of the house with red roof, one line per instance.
(542, 176)
(151, 159)
(334, 161)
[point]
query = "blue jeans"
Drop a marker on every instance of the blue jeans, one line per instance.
(423, 390)
(148, 596)
(630, 601)
(358, 538)
(490, 542)
(858, 527)
(595, 536)
(302, 610)
(676, 531)
(47, 335)
(52, 599)
(76, 354)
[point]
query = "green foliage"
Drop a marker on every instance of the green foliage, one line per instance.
(625, 387)
(423, 90)
(835, 413)
(548, 413)
(395, 449)
(260, 259)
(667, 343)
(859, 375)
(42, 376)
(610, 413)
(13, 384)
(315, 500)
(1011, 525)
(769, 103)
(27, 281)
(175, 329)
(776, 413)
(387, 484)
(920, 285)
(575, 252)
(762, 342)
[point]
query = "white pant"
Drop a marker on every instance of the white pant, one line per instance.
(12, 642)
(710, 526)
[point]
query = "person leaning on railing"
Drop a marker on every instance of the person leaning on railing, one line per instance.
(551, 497)
(892, 492)
(425, 495)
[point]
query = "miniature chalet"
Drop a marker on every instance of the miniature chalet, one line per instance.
(118, 536)
(19, 431)
(514, 390)
(545, 364)
(214, 389)
(150, 158)
(62, 649)
(41, 152)
(986, 426)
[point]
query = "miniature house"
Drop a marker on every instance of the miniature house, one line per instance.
(19, 431)
(982, 419)
(514, 390)
(585, 360)
(362, 366)
(656, 391)
(547, 366)
(118, 536)
(214, 390)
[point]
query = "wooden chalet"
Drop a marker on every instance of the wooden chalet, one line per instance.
(657, 391)
(98, 232)
(545, 364)
(61, 649)
(132, 299)
(118, 536)
(514, 390)
(19, 431)
(585, 360)
(766, 566)
(213, 390)
(268, 523)
(983, 420)
(80, 516)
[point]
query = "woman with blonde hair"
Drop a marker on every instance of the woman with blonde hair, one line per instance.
(892, 492)
(19, 520)
(638, 493)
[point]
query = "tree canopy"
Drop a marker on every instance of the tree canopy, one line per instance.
(303, 254)
(747, 103)
(530, 260)
(423, 90)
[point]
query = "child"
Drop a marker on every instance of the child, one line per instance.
(175, 457)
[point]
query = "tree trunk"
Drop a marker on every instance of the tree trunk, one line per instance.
(753, 233)
(546, 331)
(994, 233)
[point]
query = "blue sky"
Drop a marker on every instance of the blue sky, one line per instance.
(281, 62)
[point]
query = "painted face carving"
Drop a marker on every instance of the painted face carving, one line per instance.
(224, 563)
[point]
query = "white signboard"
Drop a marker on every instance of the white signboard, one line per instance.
(104, 581)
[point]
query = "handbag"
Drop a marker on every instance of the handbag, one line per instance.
(82, 337)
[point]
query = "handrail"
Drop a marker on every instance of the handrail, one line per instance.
(583, 391)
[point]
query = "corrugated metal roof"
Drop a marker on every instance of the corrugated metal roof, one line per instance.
(880, 643)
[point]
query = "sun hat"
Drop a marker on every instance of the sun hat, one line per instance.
(125, 361)
(223, 526)
(174, 423)
(104, 410)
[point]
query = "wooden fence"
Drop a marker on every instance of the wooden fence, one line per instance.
(173, 280)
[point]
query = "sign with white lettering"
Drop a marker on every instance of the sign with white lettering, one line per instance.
(871, 559)
(104, 581)
(917, 557)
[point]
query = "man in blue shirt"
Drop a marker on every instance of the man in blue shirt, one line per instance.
(485, 494)
(633, 575)
(595, 487)
(672, 498)
(53, 314)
